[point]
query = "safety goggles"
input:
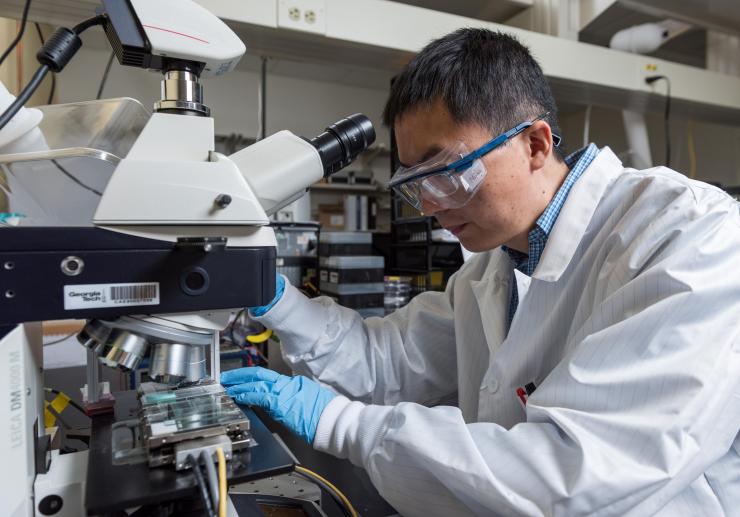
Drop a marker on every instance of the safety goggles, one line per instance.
(451, 178)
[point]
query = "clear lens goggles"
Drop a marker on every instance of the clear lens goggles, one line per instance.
(451, 178)
(434, 181)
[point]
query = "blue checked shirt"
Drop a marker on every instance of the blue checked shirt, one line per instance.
(577, 162)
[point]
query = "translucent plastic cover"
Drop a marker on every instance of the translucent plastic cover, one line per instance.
(57, 175)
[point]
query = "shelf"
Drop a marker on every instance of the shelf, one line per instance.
(689, 48)
(718, 15)
(423, 244)
(420, 271)
(410, 220)
(344, 187)
(498, 11)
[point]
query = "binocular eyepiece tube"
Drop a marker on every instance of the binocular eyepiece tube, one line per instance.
(341, 142)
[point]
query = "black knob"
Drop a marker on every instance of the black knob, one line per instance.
(50, 505)
(223, 200)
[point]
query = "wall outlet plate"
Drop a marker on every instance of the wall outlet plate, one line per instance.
(302, 15)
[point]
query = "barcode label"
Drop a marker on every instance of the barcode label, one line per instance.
(133, 292)
(94, 296)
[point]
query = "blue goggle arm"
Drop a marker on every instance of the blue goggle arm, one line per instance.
(466, 161)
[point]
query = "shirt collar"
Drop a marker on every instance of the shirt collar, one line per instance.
(576, 215)
(577, 162)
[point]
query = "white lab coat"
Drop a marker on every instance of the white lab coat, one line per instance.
(629, 327)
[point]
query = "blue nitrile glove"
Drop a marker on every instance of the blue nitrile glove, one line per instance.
(296, 402)
(279, 288)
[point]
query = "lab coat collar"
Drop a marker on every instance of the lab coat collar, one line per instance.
(492, 293)
(576, 215)
(522, 284)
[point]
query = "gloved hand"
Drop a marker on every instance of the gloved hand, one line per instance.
(296, 402)
(279, 289)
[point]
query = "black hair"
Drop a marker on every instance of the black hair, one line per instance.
(481, 76)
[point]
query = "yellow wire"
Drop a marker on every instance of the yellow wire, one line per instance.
(221, 482)
(341, 496)
(261, 337)
(59, 404)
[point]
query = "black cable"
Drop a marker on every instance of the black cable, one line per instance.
(203, 489)
(71, 402)
(90, 22)
(211, 475)
(23, 97)
(58, 416)
(42, 70)
(18, 36)
(60, 339)
(105, 75)
(53, 88)
(73, 178)
(263, 99)
(666, 114)
(53, 75)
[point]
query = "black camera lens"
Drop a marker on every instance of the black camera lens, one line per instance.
(340, 144)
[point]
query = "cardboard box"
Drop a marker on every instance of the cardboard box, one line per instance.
(331, 217)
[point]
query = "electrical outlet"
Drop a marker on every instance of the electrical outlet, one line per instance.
(302, 15)
(648, 68)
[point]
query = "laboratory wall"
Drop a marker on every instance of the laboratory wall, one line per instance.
(705, 151)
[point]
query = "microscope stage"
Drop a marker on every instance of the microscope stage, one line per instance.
(112, 487)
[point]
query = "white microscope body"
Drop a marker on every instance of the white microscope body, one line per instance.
(171, 187)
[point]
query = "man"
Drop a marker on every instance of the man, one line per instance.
(585, 361)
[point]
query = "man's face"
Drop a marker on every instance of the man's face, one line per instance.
(508, 201)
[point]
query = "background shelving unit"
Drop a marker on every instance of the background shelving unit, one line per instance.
(297, 253)
(413, 250)
(364, 178)
(415, 253)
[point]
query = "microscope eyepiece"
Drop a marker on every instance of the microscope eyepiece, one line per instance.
(340, 144)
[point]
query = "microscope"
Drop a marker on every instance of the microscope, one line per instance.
(181, 237)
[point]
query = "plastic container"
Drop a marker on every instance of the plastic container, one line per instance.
(347, 237)
(296, 241)
(374, 287)
(359, 301)
(397, 292)
(345, 243)
(352, 270)
(371, 312)
(59, 178)
(355, 296)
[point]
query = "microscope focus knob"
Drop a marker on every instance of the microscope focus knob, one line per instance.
(222, 200)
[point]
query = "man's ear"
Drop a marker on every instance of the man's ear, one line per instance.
(539, 140)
